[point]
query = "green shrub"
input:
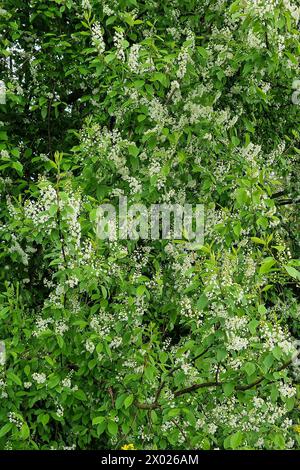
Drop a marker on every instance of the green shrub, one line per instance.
(151, 342)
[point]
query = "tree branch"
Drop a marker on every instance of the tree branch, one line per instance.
(193, 388)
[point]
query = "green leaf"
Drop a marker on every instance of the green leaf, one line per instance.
(129, 19)
(202, 302)
(228, 388)
(60, 341)
(266, 266)
(53, 381)
(277, 353)
(44, 418)
(44, 112)
(110, 20)
(133, 150)
(139, 83)
(259, 241)
(268, 361)
(292, 272)
(221, 354)
(174, 412)
(203, 52)
(160, 77)
(80, 395)
(154, 416)
(252, 325)
(98, 420)
(242, 196)
(140, 290)
(149, 372)
(12, 376)
(262, 309)
(5, 429)
(236, 440)
(18, 167)
(112, 428)
(249, 368)
(119, 401)
(279, 441)
(3, 135)
(25, 431)
(101, 428)
(290, 403)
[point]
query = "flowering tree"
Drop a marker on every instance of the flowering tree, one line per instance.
(158, 343)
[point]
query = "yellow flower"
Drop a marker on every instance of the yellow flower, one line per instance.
(128, 447)
(297, 428)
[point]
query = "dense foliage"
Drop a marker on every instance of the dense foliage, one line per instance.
(153, 343)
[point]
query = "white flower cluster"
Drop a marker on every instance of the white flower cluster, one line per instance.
(89, 346)
(111, 147)
(118, 40)
(71, 215)
(86, 5)
(254, 40)
(133, 58)
(263, 8)
(60, 411)
(72, 281)
(16, 248)
(184, 56)
(174, 93)
(102, 323)
(209, 428)
(275, 336)
(188, 311)
(286, 390)
(116, 342)
(107, 10)
(38, 211)
(56, 297)
(61, 327)
(14, 419)
(236, 330)
(43, 212)
(41, 325)
(2, 389)
(250, 266)
(262, 412)
(11, 209)
(39, 378)
(66, 382)
(184, 363)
